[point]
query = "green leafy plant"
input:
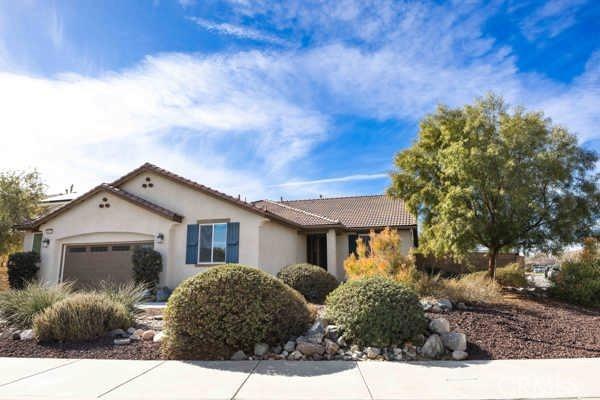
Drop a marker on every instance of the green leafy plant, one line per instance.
(230, 308)
(82, 316)
(376, 311)
(578, 282)
(147, 266)
(509, 275)
(312, 281)
(22, 268)
(18, 307)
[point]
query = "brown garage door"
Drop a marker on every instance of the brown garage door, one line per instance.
(87, 265)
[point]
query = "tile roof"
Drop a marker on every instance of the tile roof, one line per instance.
(300, 216)
(155, 208)
(359, 211)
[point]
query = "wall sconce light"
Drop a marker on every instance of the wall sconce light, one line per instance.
(160, 238)
(45, 242)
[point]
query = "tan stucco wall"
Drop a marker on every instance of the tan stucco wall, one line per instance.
(279, 246)
(87, 223)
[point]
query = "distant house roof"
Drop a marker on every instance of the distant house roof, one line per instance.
(356, 212)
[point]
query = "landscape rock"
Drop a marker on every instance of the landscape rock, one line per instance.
(309, 349)
(148, 335)
(316, 333)
(131, 330)
(461, 306)
(426, 305)
(290, 346)
(16, 335)
(135, 337)
(276, 349)
(139, 332)
(158, 317)
(436, 309)
(433, 347)
(459, 355)
(439, 325)
(260, 349)
(117, 333)
(342, 341)
(410, 351)
(331, 347)
(333, 332)
(238, 356)
(445, 304)
(372, 352)
(27, 334)
(121, 341)
(295, 355)
(455, 341)
(158, 337)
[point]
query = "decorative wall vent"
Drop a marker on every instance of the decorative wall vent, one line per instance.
(148, 183)
(104, 203)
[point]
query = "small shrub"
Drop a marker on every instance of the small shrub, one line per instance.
(312, 281)
(82, 316)
(147, 266)
(469, 288)
(230, 308)
(509, 275)
(382, 257)
(128, 294)
(578, 282)
(22, 268)
(18, 307)
(376, 311)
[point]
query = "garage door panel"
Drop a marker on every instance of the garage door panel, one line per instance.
(90, 264)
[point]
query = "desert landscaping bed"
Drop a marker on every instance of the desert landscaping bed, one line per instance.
(520, 327)
(528, 328)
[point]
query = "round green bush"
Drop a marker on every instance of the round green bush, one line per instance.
(82, 316)
(376, 311)
(312, 281)
(22, 268)
(147, 266)
(229, 308)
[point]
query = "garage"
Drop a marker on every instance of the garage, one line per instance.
(87, 265)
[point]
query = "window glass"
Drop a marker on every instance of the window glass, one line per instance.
(219, 242)
(76, 249)
(121, 247)
(99, 249)
(205, 243)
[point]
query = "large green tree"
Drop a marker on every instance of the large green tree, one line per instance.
(485, 175)
(20, 196)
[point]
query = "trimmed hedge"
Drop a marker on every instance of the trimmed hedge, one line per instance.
(312, 281)
(376, 311)
(22, 268)
(578, 283)
(147, 266)
(83, 316)
(229, 308)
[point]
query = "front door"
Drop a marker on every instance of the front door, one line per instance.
(316, 249)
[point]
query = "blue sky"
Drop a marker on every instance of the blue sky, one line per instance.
(291, 98)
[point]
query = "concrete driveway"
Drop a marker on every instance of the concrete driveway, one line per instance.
(22, 378)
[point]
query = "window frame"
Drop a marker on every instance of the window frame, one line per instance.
(212, 243)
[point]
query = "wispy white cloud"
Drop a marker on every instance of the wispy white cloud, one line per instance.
(348, 178)
(551, 18)
(242, 121)
(242, 32)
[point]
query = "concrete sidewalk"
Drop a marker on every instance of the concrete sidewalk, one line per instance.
(22, 378)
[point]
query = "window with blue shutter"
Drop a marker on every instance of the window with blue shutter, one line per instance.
(233, 242)
(191, 251)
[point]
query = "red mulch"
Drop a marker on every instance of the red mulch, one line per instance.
(101, 348)
(527, 328)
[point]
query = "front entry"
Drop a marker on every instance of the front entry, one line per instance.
(316, 249)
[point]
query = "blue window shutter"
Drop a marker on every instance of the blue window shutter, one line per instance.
(191, 250)
(37, 243)
(233, 242)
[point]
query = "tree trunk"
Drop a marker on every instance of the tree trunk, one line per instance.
(492, 254)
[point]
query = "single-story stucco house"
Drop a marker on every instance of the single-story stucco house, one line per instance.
(194, 227)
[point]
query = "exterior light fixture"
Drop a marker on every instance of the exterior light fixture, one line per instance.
(160, 238)
(45, 242)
